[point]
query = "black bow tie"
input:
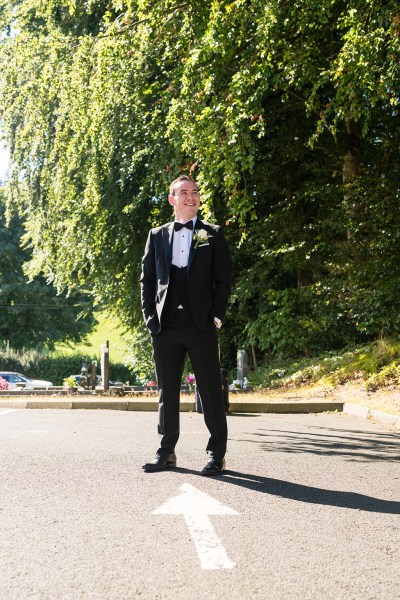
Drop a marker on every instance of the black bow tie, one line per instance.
(178, 226)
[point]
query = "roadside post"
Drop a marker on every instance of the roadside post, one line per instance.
(242, 368)
(105, 365)
(93, 374)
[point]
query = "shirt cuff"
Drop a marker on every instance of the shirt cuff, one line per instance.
(217, 322)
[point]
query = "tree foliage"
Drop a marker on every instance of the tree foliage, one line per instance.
(32, 314)
(286, 113)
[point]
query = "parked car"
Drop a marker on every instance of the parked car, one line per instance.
(19, 381)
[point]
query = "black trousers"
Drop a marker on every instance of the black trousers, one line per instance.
(170, 349)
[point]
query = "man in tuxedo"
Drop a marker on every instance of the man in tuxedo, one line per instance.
(185, 286)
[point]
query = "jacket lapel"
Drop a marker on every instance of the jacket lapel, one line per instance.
(168, 232)
(192, 252)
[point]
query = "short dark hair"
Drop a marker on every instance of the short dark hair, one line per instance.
(178, 180)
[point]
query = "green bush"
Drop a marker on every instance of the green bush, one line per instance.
(56, 366)
(377, 364)
(389, 375)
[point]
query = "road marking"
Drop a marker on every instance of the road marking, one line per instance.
(4, 412)
(195, 506)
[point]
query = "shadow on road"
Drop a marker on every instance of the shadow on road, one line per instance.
(304, 493)
(353, 445)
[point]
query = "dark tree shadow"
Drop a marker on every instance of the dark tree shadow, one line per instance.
(351, 445)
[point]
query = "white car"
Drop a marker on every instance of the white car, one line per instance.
(19, 381)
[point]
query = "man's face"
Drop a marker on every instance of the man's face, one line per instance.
(186, 200)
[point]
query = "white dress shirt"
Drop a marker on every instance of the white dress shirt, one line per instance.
(181, 246)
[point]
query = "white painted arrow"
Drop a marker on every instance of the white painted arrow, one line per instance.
(195, 506)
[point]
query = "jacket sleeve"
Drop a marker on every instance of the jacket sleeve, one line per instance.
(222, 275)
(148, 285)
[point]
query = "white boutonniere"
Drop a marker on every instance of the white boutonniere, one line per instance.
(201, 237)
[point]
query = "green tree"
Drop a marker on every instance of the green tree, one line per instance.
(286, 113)
(32, 313)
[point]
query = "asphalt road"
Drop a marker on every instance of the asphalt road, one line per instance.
(309, 508)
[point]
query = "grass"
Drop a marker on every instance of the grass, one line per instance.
(368, 375)
(107, 329)
(375, 365)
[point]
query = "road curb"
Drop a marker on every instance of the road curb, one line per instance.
(284, 407)
(355, 409)
(379, 416)
(146, 405)
(151, 405)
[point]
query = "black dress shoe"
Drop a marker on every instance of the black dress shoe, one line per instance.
(214, 466)
(160, 463)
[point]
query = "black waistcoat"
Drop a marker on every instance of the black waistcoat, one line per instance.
(177, 295)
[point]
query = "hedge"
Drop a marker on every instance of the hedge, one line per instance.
(55, 367)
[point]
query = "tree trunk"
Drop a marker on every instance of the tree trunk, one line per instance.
(253, 352)
(351, 166)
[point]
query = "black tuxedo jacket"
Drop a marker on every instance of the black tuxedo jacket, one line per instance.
(209, 275)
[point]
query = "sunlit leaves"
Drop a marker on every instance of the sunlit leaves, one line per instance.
(104, 102)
